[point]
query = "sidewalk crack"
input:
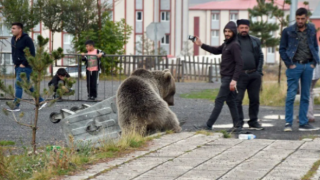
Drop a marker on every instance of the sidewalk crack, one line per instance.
(245, 160)
(207, 160)
(282, 160)
(116, 166)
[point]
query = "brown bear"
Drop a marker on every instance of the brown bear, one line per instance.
(143, 102)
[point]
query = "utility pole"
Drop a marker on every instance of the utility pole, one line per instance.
(293, 9)
(156, 20)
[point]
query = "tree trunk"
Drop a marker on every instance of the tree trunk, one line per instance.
(281, 28)
(35, 125)
(52, 38)
(51, 50)
(99, 15)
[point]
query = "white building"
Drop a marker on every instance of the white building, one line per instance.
(206, 20)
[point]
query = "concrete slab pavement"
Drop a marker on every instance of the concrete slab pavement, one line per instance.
(190, 156)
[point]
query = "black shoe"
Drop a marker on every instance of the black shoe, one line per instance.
(287, 127)
(308, 127)
(235, 130)
(256, 126)
(15, 109)
(93, 98)
(203, 127)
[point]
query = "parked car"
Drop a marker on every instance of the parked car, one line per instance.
(73, 71)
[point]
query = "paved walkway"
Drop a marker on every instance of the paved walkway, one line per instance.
(190, 156)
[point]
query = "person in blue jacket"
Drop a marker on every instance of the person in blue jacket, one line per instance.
(299, 51)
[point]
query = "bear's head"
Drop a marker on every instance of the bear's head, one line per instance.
(166, 85)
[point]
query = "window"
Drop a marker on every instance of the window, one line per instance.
(215, 33)
(271, 18)
(138, 4)
(215, 17)
(35, 38)
(4, 30)
(67, 38)
(271, 49)
(37, 28)
(108, 2)
(271, 33)
(254, 19)
(139, 44)
(233, 16)
(165, 16)
(165, 39)
(215, 37)
(67, 43)
(111, 15)
(139, 16)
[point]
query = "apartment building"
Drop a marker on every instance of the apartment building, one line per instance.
(205, 20)
(172, 14)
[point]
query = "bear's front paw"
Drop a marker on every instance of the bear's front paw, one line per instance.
(177, 129)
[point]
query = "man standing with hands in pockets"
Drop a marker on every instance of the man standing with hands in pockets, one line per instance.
(299, 51)
(230, 69)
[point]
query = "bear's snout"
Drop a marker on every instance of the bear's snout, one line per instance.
(171, 103)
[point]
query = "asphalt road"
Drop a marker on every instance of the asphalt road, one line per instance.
(192, 111)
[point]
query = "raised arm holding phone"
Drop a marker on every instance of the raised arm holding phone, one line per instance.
(230, 69)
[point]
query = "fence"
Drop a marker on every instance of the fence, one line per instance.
(117, 68)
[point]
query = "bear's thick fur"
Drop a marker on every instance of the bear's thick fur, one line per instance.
(143, 102)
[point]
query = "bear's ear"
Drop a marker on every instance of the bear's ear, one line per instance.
(166, 70)
(167, 76)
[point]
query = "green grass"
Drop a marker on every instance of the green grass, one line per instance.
(225, 134)
(271, 95)
(7, 143)
(50, 164)
(310, 136)
(209, 94)
(312, 171)
(204, 132)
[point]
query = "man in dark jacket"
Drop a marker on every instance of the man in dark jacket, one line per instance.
(59, 78)
(93, 65)
(19, 42)
(250, 77)
(230, 69)
(299, 51)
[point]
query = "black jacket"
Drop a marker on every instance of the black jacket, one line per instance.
(17, 47)
(257, 52)
(55, 82)
(231, 61)
(84, 58)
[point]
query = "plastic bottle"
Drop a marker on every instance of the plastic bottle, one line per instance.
(247, 136)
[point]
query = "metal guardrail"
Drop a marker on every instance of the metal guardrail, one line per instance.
(119, 67)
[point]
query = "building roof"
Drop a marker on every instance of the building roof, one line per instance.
(236, 5)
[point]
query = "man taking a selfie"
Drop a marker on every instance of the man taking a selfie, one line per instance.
(230, 69)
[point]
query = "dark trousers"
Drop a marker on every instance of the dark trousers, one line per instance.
(252, 83)
(92, 77)
(224, 95)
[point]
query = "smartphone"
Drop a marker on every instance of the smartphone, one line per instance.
(192, 38)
